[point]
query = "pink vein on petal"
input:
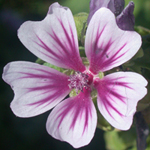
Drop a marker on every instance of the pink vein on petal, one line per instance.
(107, 94)
(108, 104)
(101, 59)
(72, 45)
(79, 107)
(98, 35)
(49, 87)
(44, 46)
(68, 49)
(48, 99)
(114, 58)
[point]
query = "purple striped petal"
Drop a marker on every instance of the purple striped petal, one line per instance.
(37, 88)
(126, 20)
(95, 5)
(107, 46)
(73, 120)
(53, 39)
(118, 94)
(116, 6)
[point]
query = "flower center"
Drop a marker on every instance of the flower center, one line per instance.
(80, 80)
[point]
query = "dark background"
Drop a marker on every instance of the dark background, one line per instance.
(30, 134)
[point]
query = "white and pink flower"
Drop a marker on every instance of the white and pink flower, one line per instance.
(39, 88)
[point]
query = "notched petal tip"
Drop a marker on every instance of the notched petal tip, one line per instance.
(118, 95)
(105, 40)
(5, 69)
(73, 120)
(54, 39)
(53, 6)
(35, 87)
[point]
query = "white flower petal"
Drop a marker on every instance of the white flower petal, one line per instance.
(53, 39)
(118, 94)
(106, 45)
(37, 88)
(73, 120)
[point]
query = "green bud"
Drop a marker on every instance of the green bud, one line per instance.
(69, 72)
(101, 75)
(73, 93)
(94, 95)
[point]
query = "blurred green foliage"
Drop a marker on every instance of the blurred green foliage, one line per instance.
(120, 140)
(23, 134)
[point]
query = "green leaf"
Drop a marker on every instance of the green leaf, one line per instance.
(139, 54)
(120, 140)
(81, 25)
(144, 62)
(76, 5)
(141, 59)
(146, 73)
(102, 123)
(85, 61)
(142, 30)
(148, 143)
(54, 67)
(145, 102)
(73, 93)
(68, 72)
(101, 75)
(131, 63)
(40, 61)
(82, 51)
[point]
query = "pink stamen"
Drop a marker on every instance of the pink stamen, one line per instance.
(78, 81)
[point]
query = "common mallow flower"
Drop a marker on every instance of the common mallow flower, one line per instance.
(39, 88)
